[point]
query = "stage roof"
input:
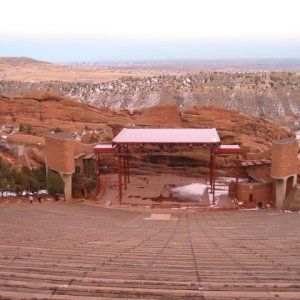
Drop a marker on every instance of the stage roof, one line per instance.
(228, 149)
(168, 136)
(103, 148)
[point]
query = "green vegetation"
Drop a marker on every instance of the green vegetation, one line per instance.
(55, 184)
(93, 140)
(28, 180)
(274, 78)
(18, 181)
(57, 129)
(77, 178)
(84, 179)
(25, 128)
(90, 184)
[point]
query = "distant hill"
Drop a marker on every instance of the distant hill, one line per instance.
(19, 61)
(31, 70)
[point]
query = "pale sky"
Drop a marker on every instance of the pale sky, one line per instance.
(68, 30)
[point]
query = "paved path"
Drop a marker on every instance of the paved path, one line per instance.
(75, 251)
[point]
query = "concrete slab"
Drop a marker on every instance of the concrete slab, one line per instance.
(160, 217)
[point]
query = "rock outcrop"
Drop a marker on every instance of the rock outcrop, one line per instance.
(38, 114)
(268, 95)
(49, 112)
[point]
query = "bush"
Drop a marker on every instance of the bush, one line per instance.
(57, 129)
(25, 128)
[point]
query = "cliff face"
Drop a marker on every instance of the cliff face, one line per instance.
(46, 112)
(41, 113)
(267, 95)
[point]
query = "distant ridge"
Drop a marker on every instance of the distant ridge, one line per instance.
(32, 70)
(198, 65)
(171, 66)
(20, 61)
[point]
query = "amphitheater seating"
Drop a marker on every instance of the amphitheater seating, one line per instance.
(76, 251)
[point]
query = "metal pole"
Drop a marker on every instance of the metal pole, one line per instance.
(237, 174)
(97, 174)
(214, 176)
(125, 167)
(210, 169)
(120, 175)
(127, 156)
(237, 169)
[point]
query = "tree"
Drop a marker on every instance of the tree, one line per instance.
(77, 181)
(3, 184)
(89, 168)
(3, 166)
(55, 184)
(90, 184)
(12, 180)
(40, 176)
(32, 185)
(20, 179)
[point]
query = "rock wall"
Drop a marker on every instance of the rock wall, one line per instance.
(52, 112)
(49, 113)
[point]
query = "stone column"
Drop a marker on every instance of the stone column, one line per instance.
(280, 188)
(284, 166)
(67, 178)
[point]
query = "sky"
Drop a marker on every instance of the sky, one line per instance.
(107, 30)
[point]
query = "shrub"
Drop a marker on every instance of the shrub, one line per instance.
(57, 129)
(25, 128)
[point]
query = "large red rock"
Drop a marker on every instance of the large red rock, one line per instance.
(46, 112)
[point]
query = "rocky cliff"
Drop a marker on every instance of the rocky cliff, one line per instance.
(266, 95)
(23, 120)
(48, 112)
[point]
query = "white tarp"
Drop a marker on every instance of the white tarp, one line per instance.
(194, 192)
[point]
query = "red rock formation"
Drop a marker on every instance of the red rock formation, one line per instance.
(45, 112)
